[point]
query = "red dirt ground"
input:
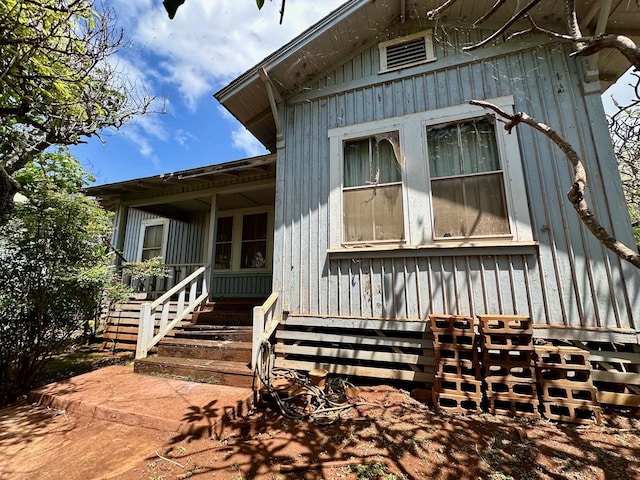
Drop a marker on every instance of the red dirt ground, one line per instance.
(389, 436)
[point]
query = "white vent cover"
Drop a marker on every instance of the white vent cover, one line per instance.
(406, 51)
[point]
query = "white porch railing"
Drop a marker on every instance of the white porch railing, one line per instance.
(265, 322)
(146, 339)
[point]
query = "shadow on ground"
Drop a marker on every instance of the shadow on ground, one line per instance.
(391, 436)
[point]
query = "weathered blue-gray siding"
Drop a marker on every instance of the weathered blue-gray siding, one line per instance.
(569, 279)
(186, 241)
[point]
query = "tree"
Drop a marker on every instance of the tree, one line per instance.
(583, 46)
(53, 267)
(57, 85)
(625, 133)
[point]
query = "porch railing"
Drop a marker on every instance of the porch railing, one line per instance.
(195, 284)
(151, 287)
(265, 322)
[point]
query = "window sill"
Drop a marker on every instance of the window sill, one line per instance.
(441, 249)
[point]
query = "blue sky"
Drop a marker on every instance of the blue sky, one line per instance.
(183, 62)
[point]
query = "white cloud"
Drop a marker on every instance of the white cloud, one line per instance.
(209, 43)
(247, 143)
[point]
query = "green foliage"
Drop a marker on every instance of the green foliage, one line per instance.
(56, 83)
(625, 133)
(53, 268)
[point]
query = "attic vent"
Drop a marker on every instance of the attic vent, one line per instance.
(406, 51)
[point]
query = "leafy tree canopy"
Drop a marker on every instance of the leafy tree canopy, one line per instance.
(56, 83)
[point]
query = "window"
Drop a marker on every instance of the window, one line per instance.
(254, 241)
(446, 177)
(153, 239)
(224, 243)
(406, 51)
(467, 184)
(372, 189)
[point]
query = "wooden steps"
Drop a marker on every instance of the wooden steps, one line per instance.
(218, 354)
(121, 324)
(227, 311)
(234, 374)
(225, 350)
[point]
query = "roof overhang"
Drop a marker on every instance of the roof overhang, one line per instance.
(358, 22)
(237, 171)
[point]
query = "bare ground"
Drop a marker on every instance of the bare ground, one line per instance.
(389, 436)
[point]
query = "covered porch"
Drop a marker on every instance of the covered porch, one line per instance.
(211, 228)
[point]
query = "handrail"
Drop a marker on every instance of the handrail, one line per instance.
(146, 338)
(178, 287)
(265, 322)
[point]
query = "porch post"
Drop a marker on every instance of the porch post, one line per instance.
(120, 231)
(211, 247)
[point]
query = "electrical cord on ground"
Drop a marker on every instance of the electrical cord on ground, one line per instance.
(306, 401)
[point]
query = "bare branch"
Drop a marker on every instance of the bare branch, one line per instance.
(623, 44)
(437, 12)
(573, 26)
(576, 194)
(490, 13)
(504, 27)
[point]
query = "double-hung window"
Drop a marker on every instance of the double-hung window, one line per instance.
(372, 189)
(467, 182)
(153, 239)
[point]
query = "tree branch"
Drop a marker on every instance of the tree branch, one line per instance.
(576, 194)
(504, 27)
(437, 12)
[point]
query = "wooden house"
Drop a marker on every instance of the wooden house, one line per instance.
(388, 198)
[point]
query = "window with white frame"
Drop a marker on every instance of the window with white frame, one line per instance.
(447, 176)
(153, 239)
(372, 189)
(244, 240)
(467, 182)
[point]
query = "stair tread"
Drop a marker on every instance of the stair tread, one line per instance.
(206, 327)
(196, 342)
(201, 364)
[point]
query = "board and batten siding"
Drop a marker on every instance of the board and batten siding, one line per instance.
(186, 242)
(569, 279)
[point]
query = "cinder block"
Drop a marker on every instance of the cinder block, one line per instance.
(505, 324)
(458, 386)
(508, 372)
(504, 341)
(514, 407)
(510, 357)
(461, 369)
(454, 340)
(574, 413)
(558, 391)
(451, 354)
(562, 357)
(456, 404)
(498, 388)
(581, 376)
(452, 324)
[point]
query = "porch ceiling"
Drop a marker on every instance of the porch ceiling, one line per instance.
(359, 22)
(183, 209)
(238, 172)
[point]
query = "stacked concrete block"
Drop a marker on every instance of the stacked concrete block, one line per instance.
(564, 375)
(458, 382)
(509, 367)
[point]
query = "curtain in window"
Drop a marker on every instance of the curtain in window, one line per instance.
(372, 161)
(372, 197)
(467, 181)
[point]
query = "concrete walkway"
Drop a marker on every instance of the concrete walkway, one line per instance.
(117, 394)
